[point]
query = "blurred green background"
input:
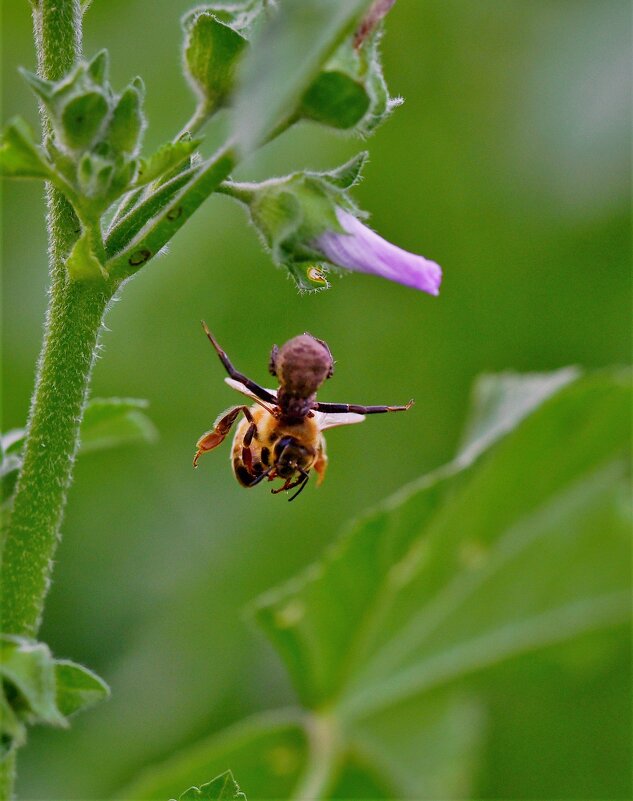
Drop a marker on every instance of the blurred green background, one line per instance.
(509, 164)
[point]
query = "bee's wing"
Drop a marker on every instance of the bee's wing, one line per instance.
(326, 420)
(237, 385)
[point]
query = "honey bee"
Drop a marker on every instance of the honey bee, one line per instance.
(281, 435)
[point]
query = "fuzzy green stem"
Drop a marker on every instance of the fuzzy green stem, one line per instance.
(68, 354)
(31, 536)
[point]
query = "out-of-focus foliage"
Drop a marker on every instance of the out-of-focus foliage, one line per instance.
(450, 577)
(107, 423)
(508, 164)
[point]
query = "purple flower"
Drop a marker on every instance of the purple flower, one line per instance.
(362, 250)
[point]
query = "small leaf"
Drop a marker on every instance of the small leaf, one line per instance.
(110, 422)
(82, 118)
(77, 687)
(222, 788)
(166, 158)
(29, 668)
(211, 54)
(20, 157)
(285, 56)
(82, 263)
(335, 99)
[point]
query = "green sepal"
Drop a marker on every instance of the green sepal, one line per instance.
(82, 263)
(127, 121)
(349, 174)
(222, 788)
(212, 50)
(20, 156)
(335, 99)
(290, 214)
(82, 118)
(350, 92)
(98, 68)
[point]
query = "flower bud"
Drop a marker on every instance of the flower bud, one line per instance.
(309, 223)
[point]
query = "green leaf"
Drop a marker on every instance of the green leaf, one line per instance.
(462, 571)
(211, 53)
(110, 422)
(222, 788)
(285, 56)
(36, 688)
(20, 157)
(107, 423)
(267, 752)
(82, 263)
(166, 158)
(77, 687)
(500, 401)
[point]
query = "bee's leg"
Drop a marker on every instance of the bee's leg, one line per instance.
(286, 485)
(247, 455)
(345, 408)
(211, 439)
(301, 483)
(260, 477)
(261, 393)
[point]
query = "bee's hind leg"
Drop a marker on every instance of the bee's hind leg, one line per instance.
(211, 439)
(260, 392)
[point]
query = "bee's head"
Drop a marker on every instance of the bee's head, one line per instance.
(301, 365)
(290, 456)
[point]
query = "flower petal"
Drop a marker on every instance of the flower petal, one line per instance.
(362, 250)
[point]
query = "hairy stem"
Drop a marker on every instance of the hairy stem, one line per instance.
(72, 324)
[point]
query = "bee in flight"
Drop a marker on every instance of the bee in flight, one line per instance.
(281, 435)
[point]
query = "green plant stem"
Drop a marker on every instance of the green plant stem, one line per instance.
(68, 354)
